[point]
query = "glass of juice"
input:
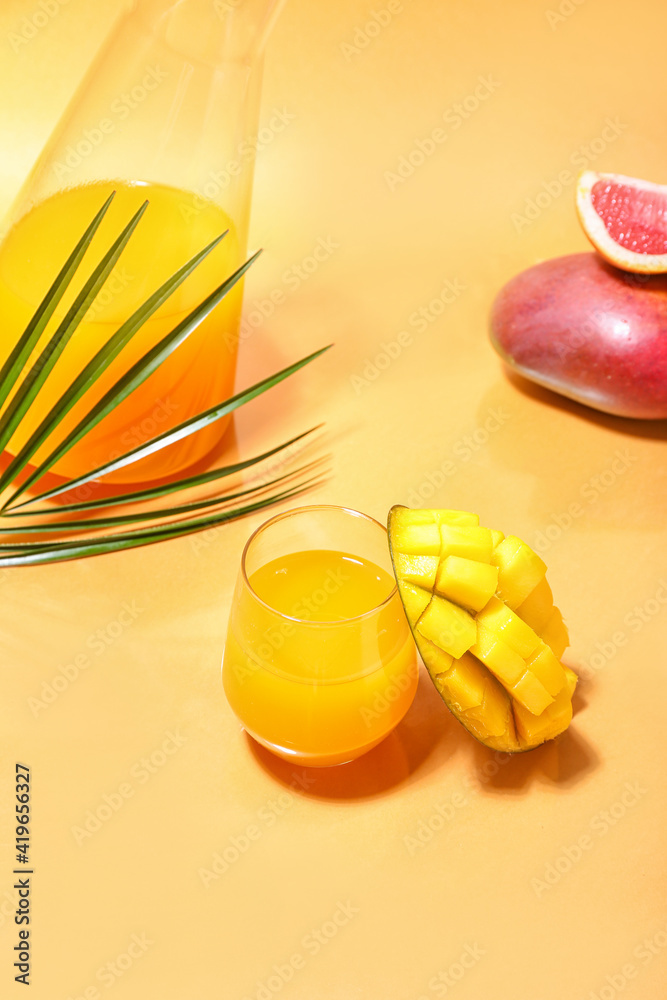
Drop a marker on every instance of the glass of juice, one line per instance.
(319, 663)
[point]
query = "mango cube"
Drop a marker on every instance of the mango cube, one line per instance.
(464, 682)
(500, 658)
(420, 570)
(466, 581)
(497, 617)
(448, 626)
(481, 700)
(417, 532)
(470, 543)
(530, 694)
(418, 539)
(536, 609)
(555, 634)
(519, 570)
(535, 729)
(547, 668)
(435, 659)
(415, 600)
(511, 670)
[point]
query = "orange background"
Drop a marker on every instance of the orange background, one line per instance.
(343, 844)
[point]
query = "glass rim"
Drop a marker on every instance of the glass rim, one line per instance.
(306, 621)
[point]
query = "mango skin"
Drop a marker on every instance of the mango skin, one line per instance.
(588, 331)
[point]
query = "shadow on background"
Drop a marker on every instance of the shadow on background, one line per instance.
(646, 429)
(424, 742)
(420, 743)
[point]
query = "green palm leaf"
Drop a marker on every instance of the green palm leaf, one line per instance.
(164, 489)
(27, 555)
(95, 524)
(41, 369)
(132, 379)
(183, 430)
(14, 364)
(184, 517)
(93, 370)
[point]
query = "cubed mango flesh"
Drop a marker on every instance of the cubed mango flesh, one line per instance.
(519, 570)
(500, 619)
(466, 581)
(415, 599)
(533, 730)
(555, 634)
(448, 626)
(481, 701)
(483, 617)
(438, 659)
(536, 609)
(420, 570)
(470, 543)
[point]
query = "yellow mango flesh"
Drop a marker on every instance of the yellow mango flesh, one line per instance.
(480, 702)
(519, 570)
(420, 534)
(533, 730)
(420, 570)
(555, 633)
(440, 661)
(547, 668)
(468, 542)
(448, 626)
(415, 600)
(497, 617)
(536, 609)
(465, 581)
(483, 617)
(513, 672)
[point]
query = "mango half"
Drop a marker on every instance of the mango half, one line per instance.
(484, 621)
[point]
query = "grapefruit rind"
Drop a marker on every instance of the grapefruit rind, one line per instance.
(596, 230)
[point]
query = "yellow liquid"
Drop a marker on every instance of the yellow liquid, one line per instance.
(199, 374)
(321, 685)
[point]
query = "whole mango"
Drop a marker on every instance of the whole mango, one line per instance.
(588, 331)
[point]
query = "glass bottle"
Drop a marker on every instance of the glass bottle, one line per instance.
(169, 113)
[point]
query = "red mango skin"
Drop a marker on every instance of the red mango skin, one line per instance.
(588, 331)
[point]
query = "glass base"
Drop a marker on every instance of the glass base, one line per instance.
(317, 759)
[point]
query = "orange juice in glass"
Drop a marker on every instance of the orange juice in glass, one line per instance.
(319, 662)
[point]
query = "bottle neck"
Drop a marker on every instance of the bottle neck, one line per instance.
(212, 31)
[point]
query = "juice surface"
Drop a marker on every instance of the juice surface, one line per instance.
(330, 680)
(322, 585)
(200, 372)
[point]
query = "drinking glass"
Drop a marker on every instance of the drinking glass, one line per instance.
(319, 663)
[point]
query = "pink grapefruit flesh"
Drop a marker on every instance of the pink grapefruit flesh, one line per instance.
(625, 219)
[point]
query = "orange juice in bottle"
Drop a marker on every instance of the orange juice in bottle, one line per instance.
(162, 242)
(169, 113)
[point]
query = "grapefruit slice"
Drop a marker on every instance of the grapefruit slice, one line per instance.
(625, 219)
